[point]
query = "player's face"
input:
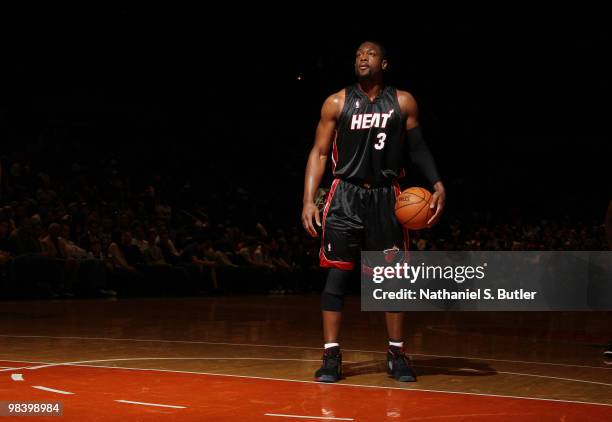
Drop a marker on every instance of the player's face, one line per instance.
(369, 61)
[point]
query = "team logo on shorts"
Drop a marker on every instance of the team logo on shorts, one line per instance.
(391, 253)
(392, 250)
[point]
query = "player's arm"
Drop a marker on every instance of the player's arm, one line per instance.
(315, 168)
(420, 153)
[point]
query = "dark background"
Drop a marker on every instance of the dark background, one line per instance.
(516, 112)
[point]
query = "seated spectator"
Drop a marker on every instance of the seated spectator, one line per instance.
(138, 239)
(255, 255)
(153, 254)
(5, 243)
(124, 255)
(71, 248)
(24, 240)
(195, 253)
(53, 246)
(96, 251)
(171, 255)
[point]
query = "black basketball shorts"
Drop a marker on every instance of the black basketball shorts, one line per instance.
(357, 218)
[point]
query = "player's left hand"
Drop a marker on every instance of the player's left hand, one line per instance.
(437, 202)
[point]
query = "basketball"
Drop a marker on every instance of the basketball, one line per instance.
(412, 208)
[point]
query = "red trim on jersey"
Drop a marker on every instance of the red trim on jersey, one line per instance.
(324, 262)
(398, 190)
(335, 154)
(330, 195)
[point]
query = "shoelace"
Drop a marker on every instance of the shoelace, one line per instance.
(329, 360)
(401, 358)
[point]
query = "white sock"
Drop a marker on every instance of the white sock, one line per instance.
(328, 345)
(396, 343)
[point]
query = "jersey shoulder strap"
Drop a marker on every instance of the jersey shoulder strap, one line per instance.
(351, 101)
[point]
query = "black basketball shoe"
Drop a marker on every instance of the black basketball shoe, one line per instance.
(398, 365)
(331, 369)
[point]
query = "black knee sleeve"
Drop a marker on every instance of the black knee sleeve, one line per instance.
(332, 298)
(330, 302)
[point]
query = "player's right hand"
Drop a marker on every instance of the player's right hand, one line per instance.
(309, 212)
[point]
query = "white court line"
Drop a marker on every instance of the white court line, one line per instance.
(309, 417)
(299, 360)
(53, 390)
(17, 377)
(512, 373)
(556, 378)
(152, 404)
(339, 384)
(14, 369)
(177, 358)
(306, 348)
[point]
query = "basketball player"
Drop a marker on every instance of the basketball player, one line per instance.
(367, 126)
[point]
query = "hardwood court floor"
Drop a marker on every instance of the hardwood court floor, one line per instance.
(252, 358)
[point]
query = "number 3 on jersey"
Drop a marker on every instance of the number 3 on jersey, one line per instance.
(381, 140)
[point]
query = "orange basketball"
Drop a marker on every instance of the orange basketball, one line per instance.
(412, 208)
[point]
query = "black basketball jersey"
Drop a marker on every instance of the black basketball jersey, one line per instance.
(369, 140)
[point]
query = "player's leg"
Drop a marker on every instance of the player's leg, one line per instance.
(340, 244)
(398, 362)
(384, 233)
(395, 325)
(332, 302)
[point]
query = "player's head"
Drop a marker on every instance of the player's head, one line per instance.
(370, 60)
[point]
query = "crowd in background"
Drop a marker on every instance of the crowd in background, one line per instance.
(89, 230)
